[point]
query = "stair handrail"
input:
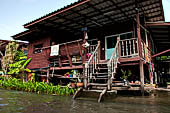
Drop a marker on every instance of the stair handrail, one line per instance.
(113, 60)
(94, 59)
(93, 54)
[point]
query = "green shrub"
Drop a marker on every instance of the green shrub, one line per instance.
(37, 87)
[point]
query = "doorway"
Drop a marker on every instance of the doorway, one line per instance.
(110, 42)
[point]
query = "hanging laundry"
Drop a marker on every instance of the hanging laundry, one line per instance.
(54, 50)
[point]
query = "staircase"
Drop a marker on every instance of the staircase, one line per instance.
(99, 74)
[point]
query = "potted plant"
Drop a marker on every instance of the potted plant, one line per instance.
(125, 76)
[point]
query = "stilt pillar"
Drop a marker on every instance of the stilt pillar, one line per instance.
(140, 49)
(141, 75)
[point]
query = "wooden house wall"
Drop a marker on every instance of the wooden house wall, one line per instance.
(39, 60)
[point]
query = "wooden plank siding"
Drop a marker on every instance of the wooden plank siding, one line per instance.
(39, 60)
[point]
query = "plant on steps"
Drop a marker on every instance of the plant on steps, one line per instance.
(125, 75)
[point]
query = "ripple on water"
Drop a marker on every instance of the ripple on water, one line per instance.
(3, 104)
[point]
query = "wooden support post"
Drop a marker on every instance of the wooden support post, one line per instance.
(99, 51)
(68, 55)
(140, 51)
(60, 63)
(85, 82)
(141, 75)
(139, 35)
(84, 49)
(48, 75)
(109, 83)
(102, 94)
(81, 54)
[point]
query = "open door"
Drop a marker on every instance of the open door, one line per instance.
(110, 43)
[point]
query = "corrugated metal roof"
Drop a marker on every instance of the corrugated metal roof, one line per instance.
(122, 8)
(54, 12)
(97, 13)
(160, 34)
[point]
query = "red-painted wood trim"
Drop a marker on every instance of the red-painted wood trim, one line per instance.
(129, 64)
(64, 10)
(22, 34)
(161, 53)
(158, 24)
(129, 59)
(63, 68)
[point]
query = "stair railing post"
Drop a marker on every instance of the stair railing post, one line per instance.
(86, 75)
(119, 48)
(109, 76)
(98, 51)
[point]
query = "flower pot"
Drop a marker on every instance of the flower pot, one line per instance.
(73, 85)
(79, 84)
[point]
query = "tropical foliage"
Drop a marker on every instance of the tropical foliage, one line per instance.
(15, 61)
(9, 57)
(37, 87)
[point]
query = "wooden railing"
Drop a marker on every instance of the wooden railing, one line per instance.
(112, 63)
(128, 48)
(146, 52)
(92, 62)
(91, 48)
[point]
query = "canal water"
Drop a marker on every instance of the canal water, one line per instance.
(23, 102)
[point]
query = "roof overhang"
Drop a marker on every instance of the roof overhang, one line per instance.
(161, 34)
(98, 13)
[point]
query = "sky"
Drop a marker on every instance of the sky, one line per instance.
(15, 13)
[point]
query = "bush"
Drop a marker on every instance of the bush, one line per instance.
(37, 87)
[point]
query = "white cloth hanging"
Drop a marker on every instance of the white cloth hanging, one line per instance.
(54, 50)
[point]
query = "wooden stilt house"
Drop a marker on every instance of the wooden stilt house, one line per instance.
(106, 41)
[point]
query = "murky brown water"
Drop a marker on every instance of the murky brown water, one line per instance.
(22, 102)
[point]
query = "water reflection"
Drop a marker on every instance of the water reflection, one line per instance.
(21, 102)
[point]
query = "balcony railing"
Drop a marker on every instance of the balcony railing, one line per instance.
(128, 48)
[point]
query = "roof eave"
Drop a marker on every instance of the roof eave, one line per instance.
(78, 3)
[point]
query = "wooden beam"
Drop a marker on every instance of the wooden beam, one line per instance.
(68, 55)
(129, 64)
(121, 60)
(168, 50)
(139, 34)
(140, 49)
(60, 62)
(80, 48)
(158, 23)
(66, 68)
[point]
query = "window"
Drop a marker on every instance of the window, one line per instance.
(37, 48)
